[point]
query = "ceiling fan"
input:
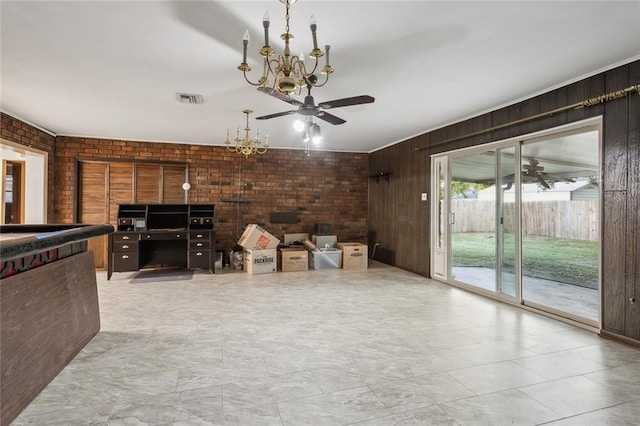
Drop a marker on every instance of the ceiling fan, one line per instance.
(534, 173)
(309, 108)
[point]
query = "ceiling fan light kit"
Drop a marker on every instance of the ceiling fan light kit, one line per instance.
(285, 72)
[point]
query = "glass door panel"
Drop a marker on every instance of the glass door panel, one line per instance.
(560, 220)
(472, 219)
(507, 223)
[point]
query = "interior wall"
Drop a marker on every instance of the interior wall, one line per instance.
(390, 207)
(325, 187)
(21, 133)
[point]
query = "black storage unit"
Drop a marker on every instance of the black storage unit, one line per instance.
(162, 235)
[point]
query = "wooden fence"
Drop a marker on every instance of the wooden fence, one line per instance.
(576, 220)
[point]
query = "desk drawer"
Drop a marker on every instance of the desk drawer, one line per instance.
(125, 246)
(125, 236)
(199, 245)
(169, 235)
(199, 259)
(123, 262)
(196, 221)
(199, 235)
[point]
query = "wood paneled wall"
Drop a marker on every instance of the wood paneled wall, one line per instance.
(400, 223)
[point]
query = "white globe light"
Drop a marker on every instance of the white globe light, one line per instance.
(298, 125)
(186, 186)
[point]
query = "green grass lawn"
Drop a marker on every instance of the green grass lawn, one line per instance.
(558, 259)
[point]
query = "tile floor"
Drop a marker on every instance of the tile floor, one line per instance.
(381, 347)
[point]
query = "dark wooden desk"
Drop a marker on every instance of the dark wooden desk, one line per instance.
(132, 251)
(162, 235)
(48, 306)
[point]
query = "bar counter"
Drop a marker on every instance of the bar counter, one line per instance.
(48, 306)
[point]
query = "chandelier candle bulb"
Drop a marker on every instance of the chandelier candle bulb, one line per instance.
(313, 27)
(265, 24)
(245, 44)
(327, 69)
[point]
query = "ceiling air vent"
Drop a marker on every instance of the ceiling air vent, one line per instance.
(187, 98)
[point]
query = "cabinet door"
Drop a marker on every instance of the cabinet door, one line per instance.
(172, 179)
(147, 183)
(93, 205)
(120, 188)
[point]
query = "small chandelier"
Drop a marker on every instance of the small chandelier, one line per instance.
(247, 146)
(289, 72)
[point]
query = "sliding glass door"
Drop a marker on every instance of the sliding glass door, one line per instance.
(560, 223)
(482, 243)
(520, 219)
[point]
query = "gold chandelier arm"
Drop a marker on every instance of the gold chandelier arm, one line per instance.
(326, 79)
(259, 83)
(302, 65)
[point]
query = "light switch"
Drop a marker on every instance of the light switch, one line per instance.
(424, 196)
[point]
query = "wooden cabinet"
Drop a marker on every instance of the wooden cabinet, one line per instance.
(159, 235)
(125, 251)
(201, 250)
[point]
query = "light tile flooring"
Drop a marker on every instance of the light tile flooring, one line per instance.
(381, 347)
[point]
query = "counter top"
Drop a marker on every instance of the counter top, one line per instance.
(24, 240)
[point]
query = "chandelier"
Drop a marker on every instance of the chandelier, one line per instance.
(288, 72)
(247, 146)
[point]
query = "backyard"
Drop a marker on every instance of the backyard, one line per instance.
(558, 259)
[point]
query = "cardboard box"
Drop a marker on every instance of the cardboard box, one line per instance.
(325, 241)
(255, 237)
(293, 259)
(295, 238)
(325, 259)
(260, 261)
(355, 256)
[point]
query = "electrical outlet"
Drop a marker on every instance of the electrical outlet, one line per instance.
(424, 196)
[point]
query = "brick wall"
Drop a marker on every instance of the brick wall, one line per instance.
(326, 187)
(14, 130)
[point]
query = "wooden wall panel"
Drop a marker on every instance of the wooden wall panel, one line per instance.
(613, 267)
(632, 318)
(147, 184)
(615, 133)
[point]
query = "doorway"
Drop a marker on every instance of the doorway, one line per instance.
(518, 220)
(13, 192)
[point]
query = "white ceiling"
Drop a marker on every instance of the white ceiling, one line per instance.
(111, 69)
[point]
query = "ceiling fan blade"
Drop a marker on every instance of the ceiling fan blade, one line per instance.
(355, 100)
(543, 182)
(279, 95)
(330, 118)
(277, 114)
